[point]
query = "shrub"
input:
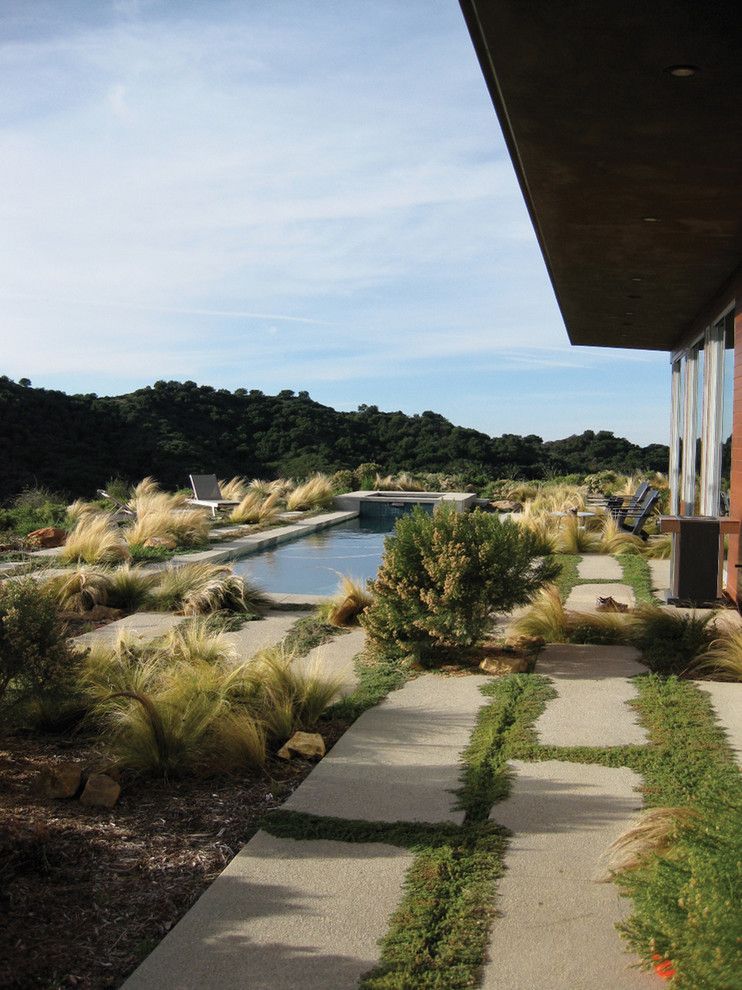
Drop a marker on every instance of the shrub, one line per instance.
(35, 661)
(671, 641)
(342, 481)
(443, 575)
(95, 539)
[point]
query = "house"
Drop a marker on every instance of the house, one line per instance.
(623, 122)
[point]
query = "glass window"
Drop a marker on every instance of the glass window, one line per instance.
(700, 363)
(726, 413)
(676, 433)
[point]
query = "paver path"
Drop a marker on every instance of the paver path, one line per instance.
(284, 915)
(727, 701)
(400, 761)
(337, 656)
(600, 567)
(257, 635)
(556, 930)
(593, 685)
(583, 597)
(660, 571)
(144, 626)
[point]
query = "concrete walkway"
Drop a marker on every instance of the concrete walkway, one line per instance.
(593, 685)
(144, 626)
(337, 657)
(400, 761)
(583, 597)
(261, 633)
(284, 915)
(599, 567)
(727, 701)
(556, 926)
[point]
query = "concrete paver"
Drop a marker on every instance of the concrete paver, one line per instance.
(556, 929)
(660, 571)
(144, 626)
(337, 656)
(261, 633)
(599, 567)
(401, 759)
(726, 698)
(582, 597)
(284, 915)
(593, 685)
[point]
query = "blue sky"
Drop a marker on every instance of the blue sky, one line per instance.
(306, 194)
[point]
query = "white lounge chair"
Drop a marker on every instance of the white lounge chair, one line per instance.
(206, 492)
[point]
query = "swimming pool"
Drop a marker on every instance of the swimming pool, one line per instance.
(313, 564)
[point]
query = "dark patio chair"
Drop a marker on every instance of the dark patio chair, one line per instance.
(632, 520)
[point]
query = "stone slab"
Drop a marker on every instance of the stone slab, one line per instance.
(726, 698)
(144, 626)
(284, 915)
(593, 684)
(600, 567)
(401, 759)
(287, 600)
(556, 928)
(660, 571)
(337, 656)
(258, 635)
(582, 597)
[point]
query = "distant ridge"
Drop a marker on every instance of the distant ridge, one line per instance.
(74, 443)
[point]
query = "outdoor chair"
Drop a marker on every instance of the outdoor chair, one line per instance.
(120, 506)
(632, 520)
(206, 492)
(620, 505)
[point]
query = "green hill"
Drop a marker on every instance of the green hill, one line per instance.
(74, 443)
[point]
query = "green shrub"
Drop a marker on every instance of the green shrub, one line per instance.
(33, 509)
(443, 575)
(35, 660)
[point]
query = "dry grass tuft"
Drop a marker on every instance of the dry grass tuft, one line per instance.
(653, 833)
(198, 589)
(613, 539)
(548, 619)
(574, 538)
(184, 527)
(95, 539)
(350, 601)
(248, 511)
(316, 493)
(723, 658)
(235, 489)
(80, 589)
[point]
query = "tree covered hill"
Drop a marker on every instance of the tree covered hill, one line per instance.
(74, 443)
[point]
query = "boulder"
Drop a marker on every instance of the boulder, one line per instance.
(47, 537)
(61, 780)
(507, 505)
(100, 791)
(505, 663)
(166, 542)
(309, 744)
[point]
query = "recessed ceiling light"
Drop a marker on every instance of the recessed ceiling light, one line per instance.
(682, 71)
(628, 313)
(636, 278)
(651, 219)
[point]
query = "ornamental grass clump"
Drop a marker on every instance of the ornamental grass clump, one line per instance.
(442, 577)
(179, 527)
(348, 604)
(95, 539)
(199, 589)
(235, 489)
(316, 493)
(722, 659)
(548, 619)
(671, 642)
(80, 589)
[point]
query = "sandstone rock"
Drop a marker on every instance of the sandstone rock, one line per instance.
(309, 744)
(166, 542)
(47, 537)
(100, 791)
(507, 505)
(61, 780)
(525, 644)
(505, 663)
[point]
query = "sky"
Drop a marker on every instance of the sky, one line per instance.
(272, 194)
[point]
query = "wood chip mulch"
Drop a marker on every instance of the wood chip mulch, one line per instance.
(86, 893)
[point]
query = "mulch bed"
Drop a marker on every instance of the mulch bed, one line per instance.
(86, 893)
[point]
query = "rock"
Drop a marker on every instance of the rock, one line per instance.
(507, 505)
(166, 542)
(100, 791)
(61, 780)
(47, 537)
(309, 744)
(505, 663)
(525, 644)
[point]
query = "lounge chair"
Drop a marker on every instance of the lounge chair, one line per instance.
(632, 519)
(620, 506)
(120, 506)
(206, 492)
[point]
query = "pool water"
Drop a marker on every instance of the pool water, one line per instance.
(314, 564)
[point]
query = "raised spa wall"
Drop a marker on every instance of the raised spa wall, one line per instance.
(354, 501)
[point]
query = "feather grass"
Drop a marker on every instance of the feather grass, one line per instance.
(316, 493)
(722, 660)
(654, 833)
(95, 539)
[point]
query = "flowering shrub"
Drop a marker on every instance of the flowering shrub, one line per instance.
(443, 575)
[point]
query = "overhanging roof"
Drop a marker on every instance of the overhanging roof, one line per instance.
(603, 136)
